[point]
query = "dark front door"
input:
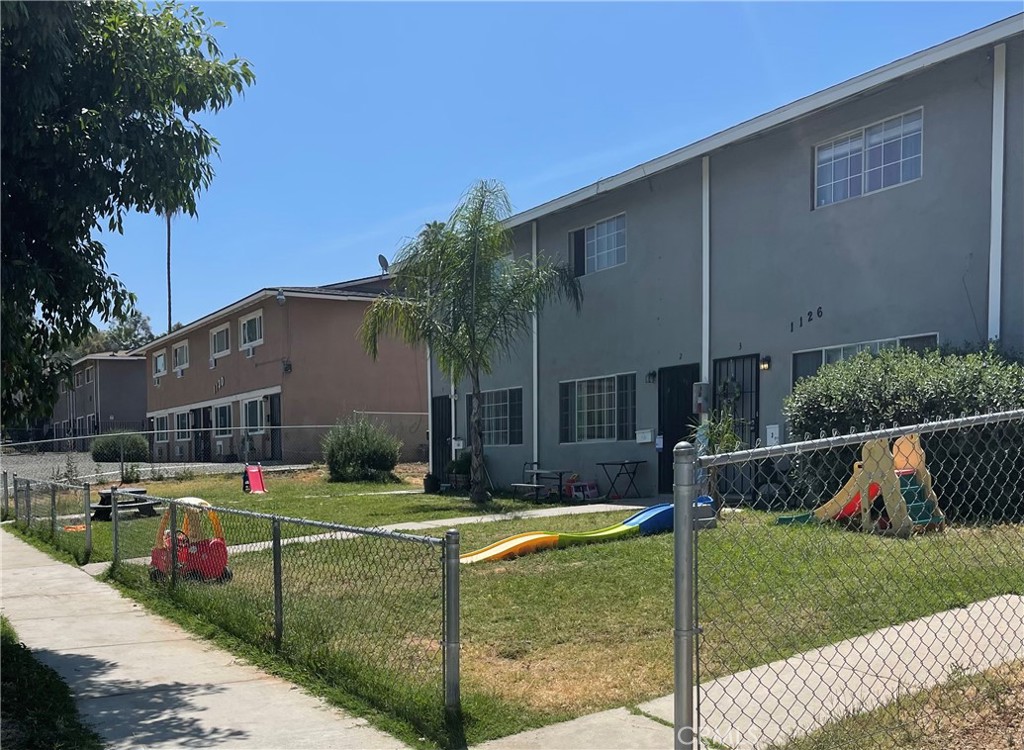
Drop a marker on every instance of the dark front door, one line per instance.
(441, 435)
(275, 427)
(675, 415)
(202, 423)
(737, 391)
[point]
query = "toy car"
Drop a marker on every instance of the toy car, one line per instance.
(202, 552)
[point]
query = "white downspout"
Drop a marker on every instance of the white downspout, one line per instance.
(995, 247)
(536, 361)
(705, 268)
(454, 432)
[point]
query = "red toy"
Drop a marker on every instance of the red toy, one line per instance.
(202, 552)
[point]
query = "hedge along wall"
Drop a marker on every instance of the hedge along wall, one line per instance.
(978, 473)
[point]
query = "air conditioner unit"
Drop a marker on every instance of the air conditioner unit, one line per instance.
(156, 382)
(248, 353)
(179, 373)
(213, 363)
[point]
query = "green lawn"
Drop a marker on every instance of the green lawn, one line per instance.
(298, 495)
(563, 633)
(36, 706)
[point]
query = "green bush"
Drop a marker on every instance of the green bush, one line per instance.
(360, 450)
(978, 472)
(108, 448)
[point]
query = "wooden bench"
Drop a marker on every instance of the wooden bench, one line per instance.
(527, 485)
(135, 500)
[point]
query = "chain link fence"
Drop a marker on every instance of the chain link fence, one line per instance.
(369, 611)
(172, 449)
(56, 512)
(860, 591)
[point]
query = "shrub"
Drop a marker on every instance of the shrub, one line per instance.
(359, 450)
(978, 472)
(108, 448)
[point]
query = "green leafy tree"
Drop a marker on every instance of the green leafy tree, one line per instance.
(130, 333)
(99, 106)
(459, 289)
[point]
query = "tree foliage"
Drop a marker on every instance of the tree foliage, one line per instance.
(459, 289)
(130, 333)
(99, 102)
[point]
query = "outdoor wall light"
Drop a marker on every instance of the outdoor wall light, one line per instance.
(280, 296)
(765, 363)
(651, 376)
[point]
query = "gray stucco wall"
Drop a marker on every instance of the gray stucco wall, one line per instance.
(122, 390)
(1013, 200)
(910, 259)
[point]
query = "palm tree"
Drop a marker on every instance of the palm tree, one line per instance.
(459, 289)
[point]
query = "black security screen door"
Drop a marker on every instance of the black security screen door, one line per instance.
(441, 435)
(737, 390)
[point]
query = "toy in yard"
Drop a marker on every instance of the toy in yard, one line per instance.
(252, 480)
(889, 492)
(202, 552)
(654, 520)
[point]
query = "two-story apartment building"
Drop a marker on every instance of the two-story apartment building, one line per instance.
(105, 392)
(257, 379)
(884, 211)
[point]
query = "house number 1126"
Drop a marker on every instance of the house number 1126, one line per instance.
(805, 319)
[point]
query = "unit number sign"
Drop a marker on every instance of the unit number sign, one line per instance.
(806, 319)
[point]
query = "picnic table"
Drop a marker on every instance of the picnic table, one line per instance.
(136, 500)
(550, 474)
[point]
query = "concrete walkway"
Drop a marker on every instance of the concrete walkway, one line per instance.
(142, 681)
(792, 697)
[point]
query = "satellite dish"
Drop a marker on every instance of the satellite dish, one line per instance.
(383, 264)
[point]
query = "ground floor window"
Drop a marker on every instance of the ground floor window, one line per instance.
(181, 426)
(160, 426)
(807, 363)
(253, 415)
(501, 416)
(222, 420)
(597, 409)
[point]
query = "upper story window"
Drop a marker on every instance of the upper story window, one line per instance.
(599, 246)
(501, 416)
(808, 362)
(88, 374)
(179, 355)
(597, 409)
(63, 387)
(879, 156)
(250, 330)
(160, 363)
(220, 340)
(78, 379)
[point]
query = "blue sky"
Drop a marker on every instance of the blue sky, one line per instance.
(367, 120)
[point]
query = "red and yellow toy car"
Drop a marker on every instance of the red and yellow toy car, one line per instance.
(202, 552)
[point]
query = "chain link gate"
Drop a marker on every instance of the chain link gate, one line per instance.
(871, 589)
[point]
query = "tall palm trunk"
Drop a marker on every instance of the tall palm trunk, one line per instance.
(477, 492)
(169, 272)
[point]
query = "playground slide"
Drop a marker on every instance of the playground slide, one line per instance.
(651, 520)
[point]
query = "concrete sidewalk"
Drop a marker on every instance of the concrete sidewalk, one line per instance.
(142, 681)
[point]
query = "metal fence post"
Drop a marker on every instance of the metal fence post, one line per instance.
(17, 505)
(7, 502)
(114, 529)
(684, 492)
(28, 504)
(278, 586)
(174, 545)
(86, 502)
(53, 511)
(450, 556)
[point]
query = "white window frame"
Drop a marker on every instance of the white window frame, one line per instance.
(861, 133)
(79, 379)
(88, 374)
(243, 344)
(79, 426)
(90, 424)
(180, 435)
(63, 387)
(262, 417)
(177, 366)
(160, 433)
(894, 342)
(590, 230)
(486, 420)
(580, 428)
(217, 430)
(213, 335)
(156, 355)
